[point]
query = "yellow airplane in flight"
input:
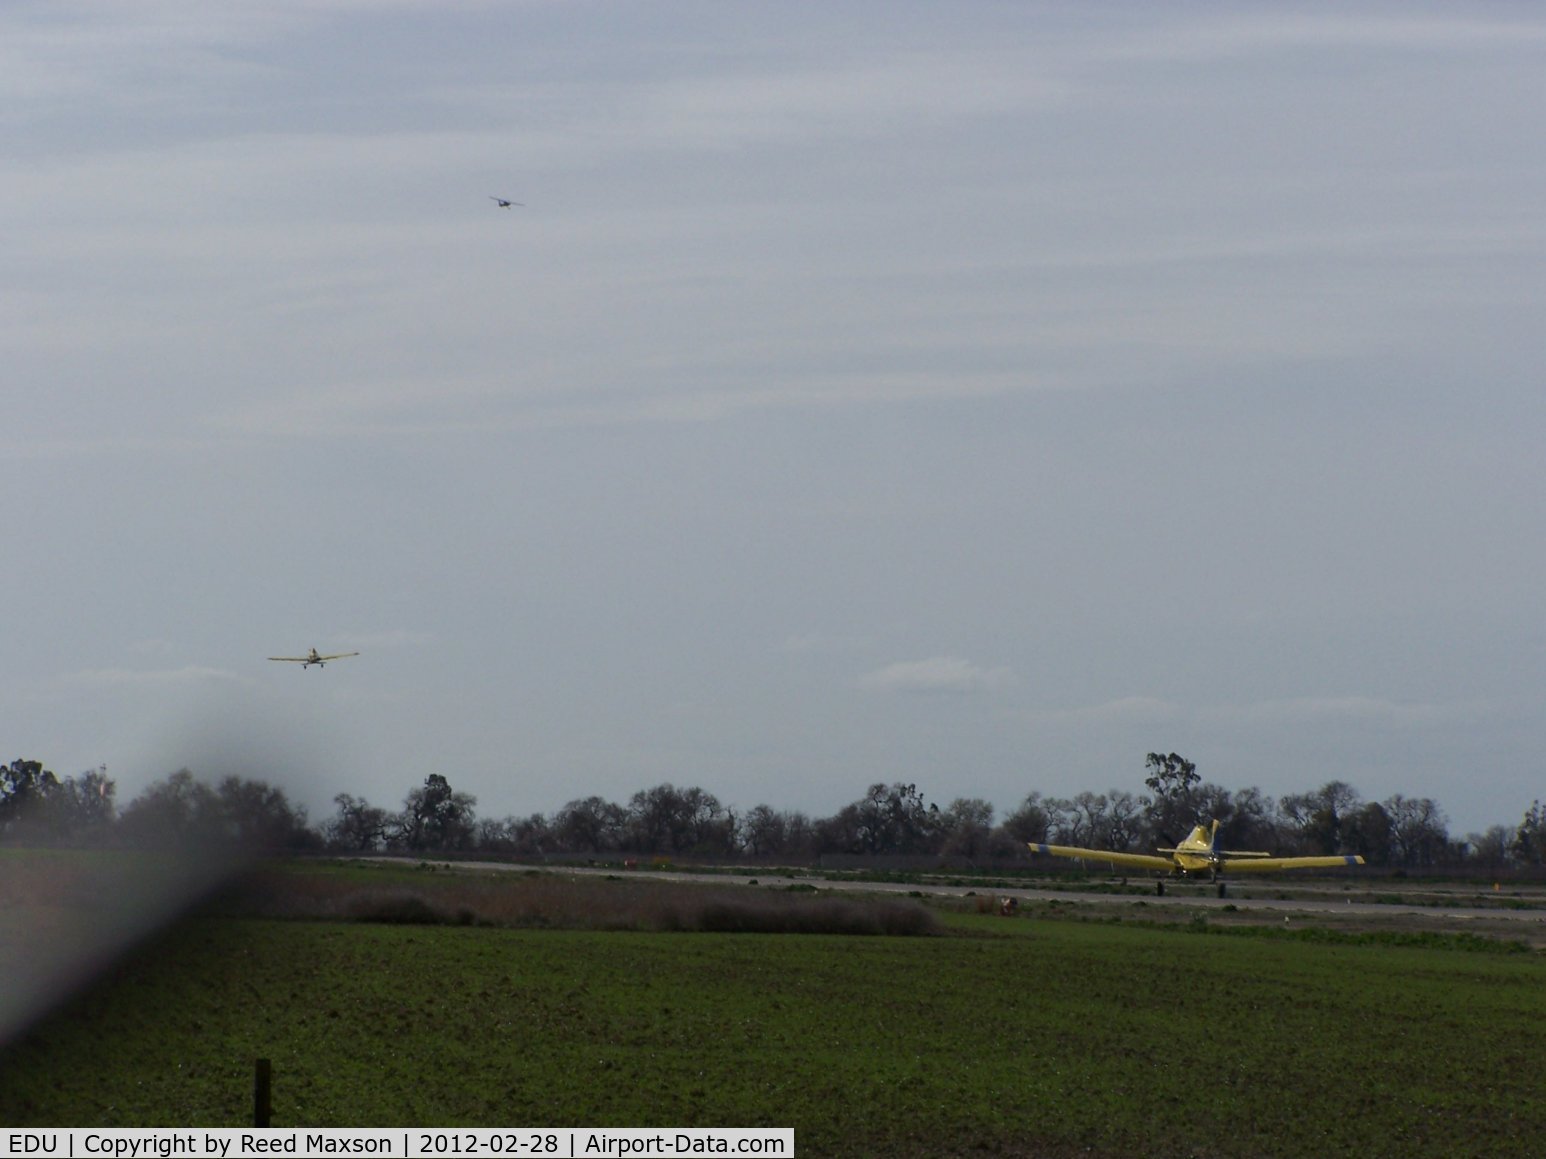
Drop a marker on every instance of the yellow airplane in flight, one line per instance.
(313, 658)
(1198, 854)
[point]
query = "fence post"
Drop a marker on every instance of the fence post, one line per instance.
(262, 1108)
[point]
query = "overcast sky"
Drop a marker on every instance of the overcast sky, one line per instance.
(978, 394)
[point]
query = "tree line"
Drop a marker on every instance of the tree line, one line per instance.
(889, 820)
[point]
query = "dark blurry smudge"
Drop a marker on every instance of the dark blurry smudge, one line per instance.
(66, 915)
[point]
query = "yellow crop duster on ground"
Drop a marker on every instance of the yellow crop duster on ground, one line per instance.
(1199, 854)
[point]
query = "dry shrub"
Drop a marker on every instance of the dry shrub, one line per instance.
(406, 909)
(551, 901)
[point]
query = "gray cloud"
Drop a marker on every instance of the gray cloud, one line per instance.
(150, 678)
(936, 674)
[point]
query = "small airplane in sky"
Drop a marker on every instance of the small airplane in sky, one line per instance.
(505, 203)
(313, 658)
(1199, 853)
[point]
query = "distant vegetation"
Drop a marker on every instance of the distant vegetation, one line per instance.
(890, 820)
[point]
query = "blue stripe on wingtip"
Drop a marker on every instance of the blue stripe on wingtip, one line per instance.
(1351, 859)
(1039, 848)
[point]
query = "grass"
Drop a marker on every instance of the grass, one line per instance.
(1022, 1036)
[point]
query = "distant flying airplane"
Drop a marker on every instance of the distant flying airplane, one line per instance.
(504, 203)
(1199, 853)
(313, 658)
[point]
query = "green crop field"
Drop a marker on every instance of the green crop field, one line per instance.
(1022, 1036)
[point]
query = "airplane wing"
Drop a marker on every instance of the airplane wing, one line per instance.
(1135, 860)
(292, 659)
(1270, 864)
(337, 655)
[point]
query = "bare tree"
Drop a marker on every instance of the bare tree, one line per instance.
(173, 812)
(258, 815)
(1124, 820)
(590, 825)
(765, 831)
(1490, 850)
(1419, 831)
(666, 819)
(1030, 822)
(895, 819)
(1092, 820)
(358, 826)
(965, 827)
(1255, 821)
(37, 805)
(241, 812)
(1317, 818)
(1528, 846)
(1067, 823)
(1172, 806)
(25, 787)
(530, 835)
(1368, 830)
(435, 816)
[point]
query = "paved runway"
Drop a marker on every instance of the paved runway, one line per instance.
(1346, 898)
